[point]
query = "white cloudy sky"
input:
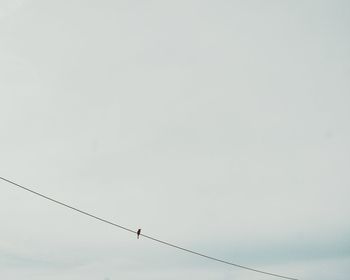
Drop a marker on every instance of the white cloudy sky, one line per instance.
(221, 126)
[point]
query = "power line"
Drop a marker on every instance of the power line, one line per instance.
(144, 235)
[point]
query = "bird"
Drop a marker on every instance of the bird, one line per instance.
(138, 233)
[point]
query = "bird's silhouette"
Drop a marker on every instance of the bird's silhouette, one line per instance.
(138, 233)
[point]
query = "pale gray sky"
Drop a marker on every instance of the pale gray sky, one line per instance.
(221, 126)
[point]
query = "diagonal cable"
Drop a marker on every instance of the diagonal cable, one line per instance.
(144, 235)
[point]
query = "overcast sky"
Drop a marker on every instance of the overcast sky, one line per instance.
(221, 126)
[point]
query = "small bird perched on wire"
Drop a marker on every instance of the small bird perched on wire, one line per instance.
(138, 233)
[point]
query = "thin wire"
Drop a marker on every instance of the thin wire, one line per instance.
(144, 235)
